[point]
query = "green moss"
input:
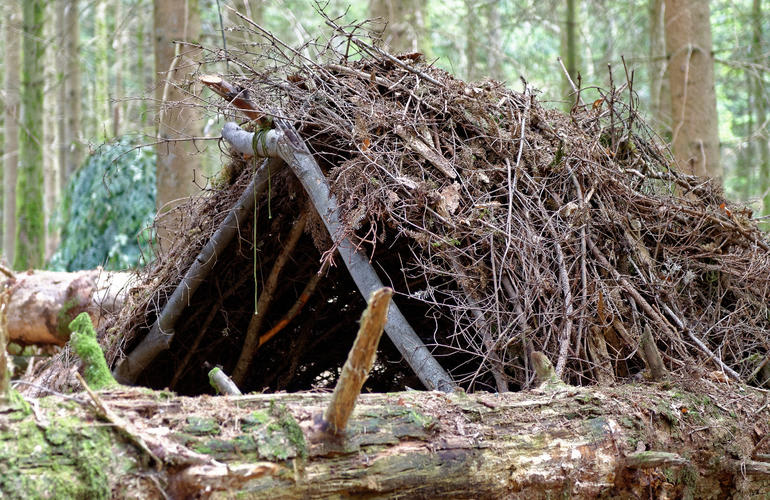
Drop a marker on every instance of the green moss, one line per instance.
(56, 457)
(255, 419)
(200, 426)
(294, 433)
(83, 341)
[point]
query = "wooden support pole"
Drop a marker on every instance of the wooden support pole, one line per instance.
(162, 332)
(360, 361)
(285, 142)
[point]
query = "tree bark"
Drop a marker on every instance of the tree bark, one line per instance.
(175, 20)
(660, 95)
(30, 229)
(12, 60)
(496, 51)
(760, 105)
(628, 441)
(398, 23)
(42, 303)
(72, 78)
(693, 98)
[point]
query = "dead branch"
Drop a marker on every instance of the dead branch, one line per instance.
(360, 361)
(251, 342)
(162, 331)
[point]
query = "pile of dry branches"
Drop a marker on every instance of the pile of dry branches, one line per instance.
(510, 227)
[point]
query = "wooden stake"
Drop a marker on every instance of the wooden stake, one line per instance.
(360, 361)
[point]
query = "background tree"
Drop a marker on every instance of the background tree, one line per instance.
(660, 96)
(400, 24)
(693, 99)
(175, 20)
(570, 46)
(30, 229)
(71, 42)
(760, 103)
(12, 59)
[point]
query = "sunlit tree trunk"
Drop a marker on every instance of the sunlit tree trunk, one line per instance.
(71, 42)
(121, 41)
(495, 54)
(50, 166)
(472, 34)
(760, 105)
(101, 103)
(660, 96)
(143, 70)
(62, 107)
(569, 46)
(30, 229)
(12, 59)
(403, 30)
(177, 160)
(691, 76)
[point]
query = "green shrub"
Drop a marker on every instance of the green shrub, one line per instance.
(106, 209)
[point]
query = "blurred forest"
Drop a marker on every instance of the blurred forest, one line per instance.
(96, 104)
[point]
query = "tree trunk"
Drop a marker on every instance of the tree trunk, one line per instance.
(760, 105)
(693, 99)
(496, 50)
(30, 231)
(72, 78)
(629, 441)
(50, 166)
(660, 95)
(570, 49)
(399, 27)
(120, 37)
(177, 20)
(41, 304)
(471, 41)
(12, 37)
(62, 106)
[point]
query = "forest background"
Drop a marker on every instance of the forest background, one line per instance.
(98, 100)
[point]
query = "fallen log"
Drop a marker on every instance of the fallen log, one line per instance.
(41, 304)
(630, 441)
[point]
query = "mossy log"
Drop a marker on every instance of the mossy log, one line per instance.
(630, 441)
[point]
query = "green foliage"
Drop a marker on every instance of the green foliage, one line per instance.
(107, 206)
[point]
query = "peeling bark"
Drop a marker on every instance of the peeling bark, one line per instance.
(42, 303)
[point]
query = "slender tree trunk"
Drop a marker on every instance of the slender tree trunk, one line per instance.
(660, 95)
(74, 140)
(101, 103)
(30, 230)
(471, 40)
(51, 119)
(142, 71)
(61, 60)
(760, 105)
(117, 94)
(693, 99)
(402, 32)
(12, 38)
(569, 47)
(746, 154)
(495, 49)
(177, 161)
